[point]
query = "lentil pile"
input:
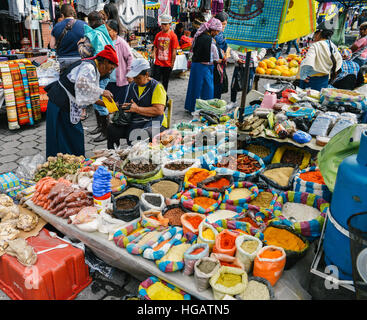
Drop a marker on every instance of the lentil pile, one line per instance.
(298, 212)
(292, 157)
(242, 163)
(178, 165)
(166, 188)
(125, 204)
(259, 150)
(279, 175)
(174, 216)
(239, 193)
(263, 199)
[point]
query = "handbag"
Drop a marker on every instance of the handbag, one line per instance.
(237, 83)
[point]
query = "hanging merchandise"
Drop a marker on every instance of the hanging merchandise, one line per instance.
(131, 12)
(87, 6)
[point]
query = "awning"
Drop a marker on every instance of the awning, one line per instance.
(151, 5)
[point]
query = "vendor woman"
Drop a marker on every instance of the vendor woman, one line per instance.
(146, 100)
(322, 61)
(78, 86)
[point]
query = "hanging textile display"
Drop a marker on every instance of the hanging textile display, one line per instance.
(165, 8)
(87, 6)
(299, 21)
(23, 72)
(20, 102)
(131, 12)
(34, 91)
(254, 23)
(11, 109)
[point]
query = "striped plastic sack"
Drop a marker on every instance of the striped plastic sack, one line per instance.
(237, 185)
(174, 259)
(309, 229)
(120, 176)
(237, 175)
(198, 153)
(190, 258)
(300, 185)
(338, 95)
(187, 200)
(147, 240)
(272, 203)
(164, 243)
(204, 174)
(238, 226)
(151, 280)
(128, 233)
(153, 219)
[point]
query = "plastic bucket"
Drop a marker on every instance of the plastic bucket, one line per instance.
(102, 203)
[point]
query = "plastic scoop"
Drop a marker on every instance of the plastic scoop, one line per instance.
(111, 106)
(60, 246)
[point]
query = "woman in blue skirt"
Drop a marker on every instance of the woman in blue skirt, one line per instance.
(205, 52)
(78, 86)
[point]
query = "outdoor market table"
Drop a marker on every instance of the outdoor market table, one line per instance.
(268, 76)
(289, 287)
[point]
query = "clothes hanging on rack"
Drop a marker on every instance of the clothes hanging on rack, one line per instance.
(131, 12)
(87, 6)
(217, 6)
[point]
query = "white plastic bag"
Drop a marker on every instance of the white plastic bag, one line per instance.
(247, 258)
(201, 278)
(145, 205)
(175, 173)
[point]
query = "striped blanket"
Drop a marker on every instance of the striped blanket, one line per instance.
(22, 110)
(23, 71)
(11, 109)
(34, 91)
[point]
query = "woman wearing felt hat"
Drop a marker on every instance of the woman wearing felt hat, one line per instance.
(77, 86)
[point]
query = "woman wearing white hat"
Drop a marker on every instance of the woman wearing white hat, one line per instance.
(146, 100)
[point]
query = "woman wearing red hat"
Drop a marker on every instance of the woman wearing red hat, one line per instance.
(77, 86)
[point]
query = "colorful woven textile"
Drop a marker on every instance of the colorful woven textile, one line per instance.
(34, 91)
(22, 111)
(23, 72)
(11, 109)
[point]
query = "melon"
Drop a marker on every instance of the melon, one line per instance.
(275, 72)
(293, 64)
(260, 70)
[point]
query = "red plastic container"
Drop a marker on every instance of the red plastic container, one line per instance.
(58, 274)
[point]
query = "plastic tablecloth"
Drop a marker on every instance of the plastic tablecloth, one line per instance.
(289, 287)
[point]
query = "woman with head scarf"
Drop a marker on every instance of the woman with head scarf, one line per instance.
(205, 53)
(322, 61)
(77, 86)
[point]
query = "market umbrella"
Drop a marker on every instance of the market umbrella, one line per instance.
(264, 24)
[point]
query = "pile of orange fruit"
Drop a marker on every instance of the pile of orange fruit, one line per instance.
(285, 67)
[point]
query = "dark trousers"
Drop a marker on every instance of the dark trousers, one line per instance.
(115, 133)
(162, 74)
(119, 93)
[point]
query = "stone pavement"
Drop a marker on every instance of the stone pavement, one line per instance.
(29, 141)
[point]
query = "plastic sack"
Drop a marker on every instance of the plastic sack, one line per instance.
(187, 226)
(187, 200)
(190, 259)
(341, 146)
(273, 183)
(321, 126)
(174, 259)
(227, 238)
(339, 95)
(214, 105)
(201, 239)
(341, 125)
(203, 184)
(278, 156)
(191, 173)
(269, 269)
(145, 205)
(27, 166)
(145, 188)
(271, 145)
(176, 180)
(201, 278)
(301, 137)
(241, 184)
(176, 173)
(126, 215)
(167, 138)
(153, 219)
(147, 240)
(109, 225)
(257, 296)
(245, 257)
(219, 290)
(300, 185)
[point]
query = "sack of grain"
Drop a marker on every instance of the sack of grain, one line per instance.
(207, 234)
(168, 187)
(229, 261)
(204, 269)
(228, 280)
(240, 193)
(155, 219)
(190, 257)
(279, 176)
(257, 289)
(247, 248)
(186, 164)
(152, 201)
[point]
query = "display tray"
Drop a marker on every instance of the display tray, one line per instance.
(269, 76)
(288, 287)
(310, 145)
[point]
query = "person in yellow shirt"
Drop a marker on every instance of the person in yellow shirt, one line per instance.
(142, 114)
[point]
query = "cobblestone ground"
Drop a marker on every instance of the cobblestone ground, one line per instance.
(28, 141)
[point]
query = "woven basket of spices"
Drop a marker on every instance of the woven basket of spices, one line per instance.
(265, 200)
(218, 183)
(302, 211)
(279, 176)
(294, 245)
(201, 201)
(240, 193)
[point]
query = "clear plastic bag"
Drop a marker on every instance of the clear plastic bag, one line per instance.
(341, 125)
(321, 126)
(28, 165)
